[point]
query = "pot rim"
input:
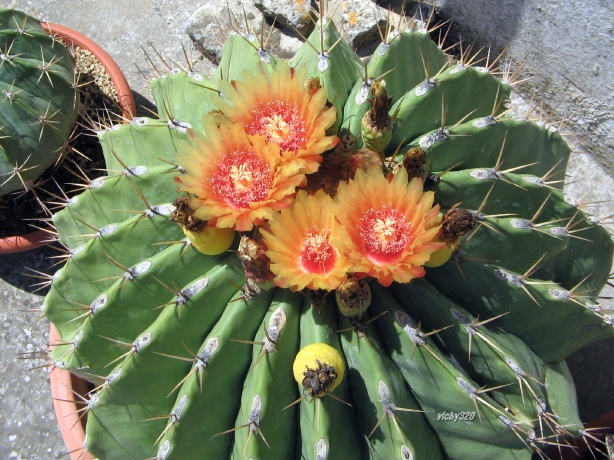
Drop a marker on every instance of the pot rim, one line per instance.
(64, 387)
(124, 92)
(19, 243)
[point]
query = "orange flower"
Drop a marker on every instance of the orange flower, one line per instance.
(392, 225)
(278, 105)
(236, 180)
(304, 244)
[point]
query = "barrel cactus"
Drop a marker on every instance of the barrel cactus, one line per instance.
(39, 106)
(324, 259)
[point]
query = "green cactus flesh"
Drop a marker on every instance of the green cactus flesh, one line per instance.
(39, 105)
(466, 362)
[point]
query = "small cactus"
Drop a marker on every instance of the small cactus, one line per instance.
(217, 356)
(39, 103)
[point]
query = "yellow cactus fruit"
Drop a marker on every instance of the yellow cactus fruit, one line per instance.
(211, 240)
(319, 368)
(441, 256)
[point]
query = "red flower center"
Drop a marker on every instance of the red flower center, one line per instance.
(318, 255)
(241, 178)
(281, 123)
(385, 233)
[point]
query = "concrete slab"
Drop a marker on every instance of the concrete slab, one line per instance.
(125, 29)
(567, 50)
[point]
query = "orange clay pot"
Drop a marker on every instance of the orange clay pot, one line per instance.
(599, 428)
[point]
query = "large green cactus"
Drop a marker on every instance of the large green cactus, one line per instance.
(39, 102)
(466, 361)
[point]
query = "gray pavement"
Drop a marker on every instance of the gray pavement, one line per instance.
(27, 426)
(124, 28)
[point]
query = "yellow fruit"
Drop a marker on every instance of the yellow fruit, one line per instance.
(211, 240)
(319, 368)
(441, 256)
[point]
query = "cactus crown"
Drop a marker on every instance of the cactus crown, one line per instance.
(472, 311)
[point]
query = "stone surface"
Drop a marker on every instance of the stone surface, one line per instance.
(568, 50)
(359, 21)
(27, 425)
(291, 14)
(209, 25)
(208, 28)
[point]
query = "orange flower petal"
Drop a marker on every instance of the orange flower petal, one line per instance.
(304, 243)
(237, 181)
(392, 225)
(277, 105)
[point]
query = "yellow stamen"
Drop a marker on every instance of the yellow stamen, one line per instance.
(277, 128)
(242, 177)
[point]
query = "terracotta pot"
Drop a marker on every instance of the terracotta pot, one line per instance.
(40, 238)
(64, 385)
(26, 242)
(600, 427)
